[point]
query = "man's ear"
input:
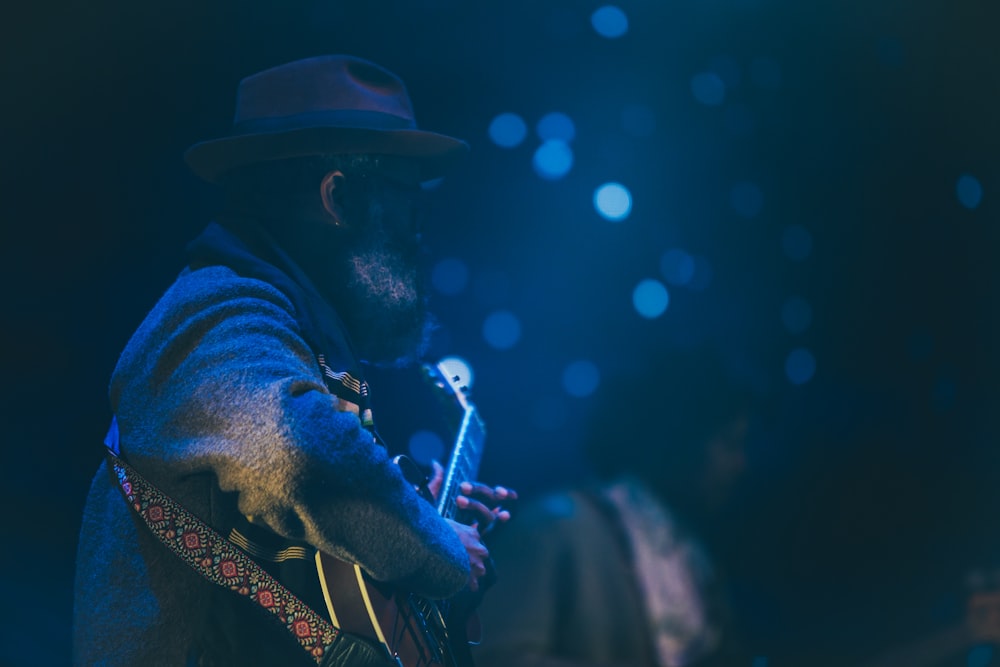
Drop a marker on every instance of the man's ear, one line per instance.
(331, 191)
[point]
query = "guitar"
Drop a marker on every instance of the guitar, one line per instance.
(415, 631)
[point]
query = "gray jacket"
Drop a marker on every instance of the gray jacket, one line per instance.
(222, 405)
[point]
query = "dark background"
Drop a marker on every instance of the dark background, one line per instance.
(872, 486)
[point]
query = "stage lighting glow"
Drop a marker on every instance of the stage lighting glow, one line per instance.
(453, 367)
(426, 446)
(740, 120)
(890, 52)
(613, 201)
(677, 266)
(703, 274)
(796, 242)
(796, 315)
(765, 73)
(746, 199)
(450, 276)
(491, 287)
(944, 392)
(556, 125)
(980, 655)
(580, 378)
(502, 330)
(638, 120)
(708, 88)
(800, 366)
(920, 345)
(549, 413)
(650, 298)
(553, 159)
(508, 130)
(727, 68)
(969, 191)
(609, 21)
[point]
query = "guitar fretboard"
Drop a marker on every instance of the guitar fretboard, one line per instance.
(464, 462)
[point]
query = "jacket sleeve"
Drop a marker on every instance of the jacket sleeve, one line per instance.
(218, 381)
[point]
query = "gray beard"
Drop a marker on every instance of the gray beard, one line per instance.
(388, 316)
(391, 325)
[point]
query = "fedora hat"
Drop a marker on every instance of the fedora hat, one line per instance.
(330, 104)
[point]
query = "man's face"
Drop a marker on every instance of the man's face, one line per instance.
(387, 312)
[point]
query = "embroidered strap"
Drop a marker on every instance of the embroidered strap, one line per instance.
(221, 562)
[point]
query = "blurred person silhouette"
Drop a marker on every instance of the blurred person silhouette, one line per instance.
(615, 571)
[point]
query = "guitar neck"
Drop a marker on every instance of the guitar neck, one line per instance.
(463, 465)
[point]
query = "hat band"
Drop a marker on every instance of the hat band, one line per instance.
(346, 118)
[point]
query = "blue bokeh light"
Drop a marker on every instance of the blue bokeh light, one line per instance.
(969, 191)
(796, 315)
(508, 130)
(450, 276)
(945, 390)
(609, 21)
(796, 242)
(708, 88)
(980, 655)
(556, 125)
(613, 201)
(746, 199)
(553, 159)
(650, 298)
(677, 267)
(581, 378)
(426, 446)
(502, 330)
(800, 366)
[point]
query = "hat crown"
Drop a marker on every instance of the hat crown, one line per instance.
(322, 84)
(324, 105)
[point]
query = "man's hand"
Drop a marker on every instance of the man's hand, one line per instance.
(483, 504)
(479, 555)
(480, 500)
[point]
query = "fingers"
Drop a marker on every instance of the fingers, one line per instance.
(478, 553)
(478, 570)
(481, 512)
(483, 502)
(490, 494)
(436, 480)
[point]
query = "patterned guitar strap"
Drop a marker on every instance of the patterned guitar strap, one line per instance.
(224, 564)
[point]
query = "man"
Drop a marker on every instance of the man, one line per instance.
(617, 573)
(241, 401)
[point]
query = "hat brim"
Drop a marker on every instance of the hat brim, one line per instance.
(434, 153)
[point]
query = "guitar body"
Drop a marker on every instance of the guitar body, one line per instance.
(415, 631)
